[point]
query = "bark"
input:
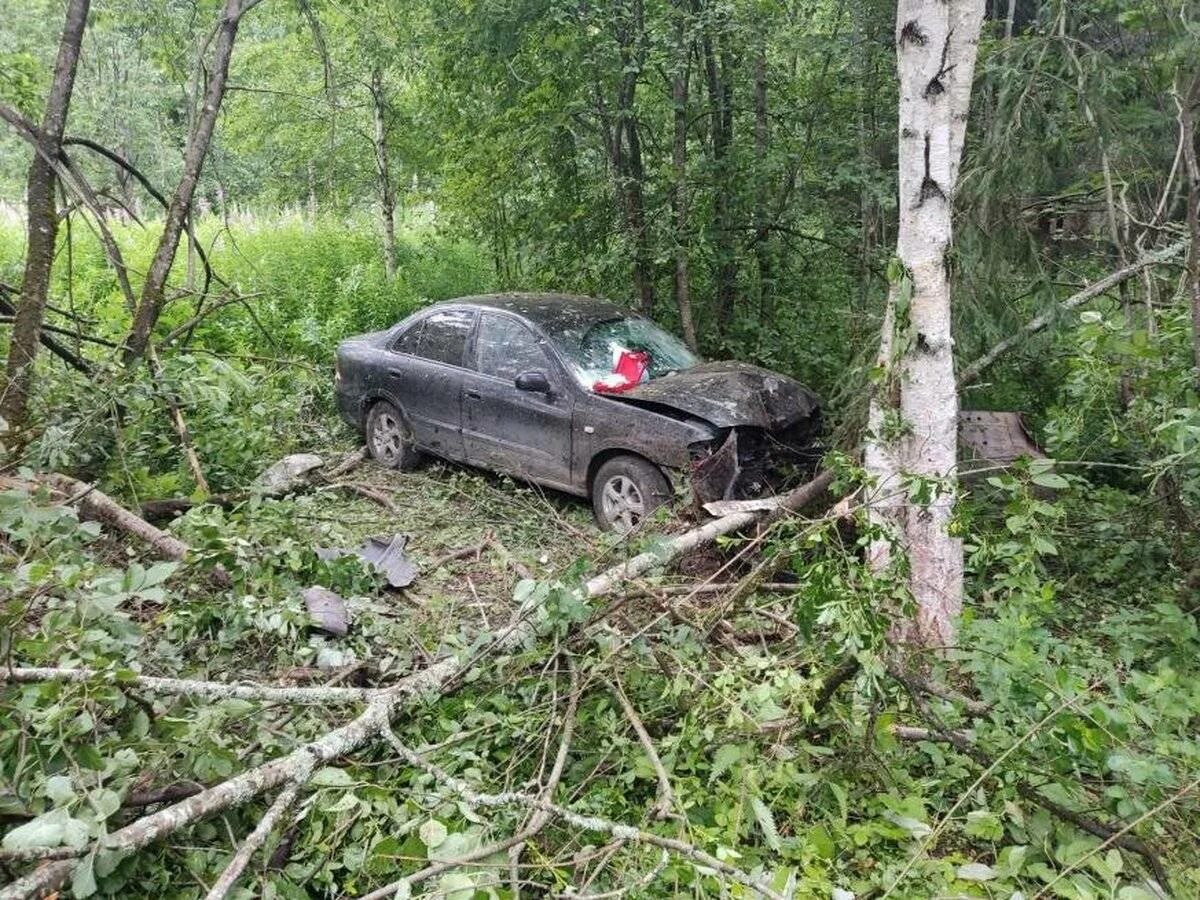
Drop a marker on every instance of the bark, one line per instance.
(189, 687)
(387, 192)
(154, 289)
(679, 99)
(94, 504)
(1187, 106)
(224, 884)
(914, 417)
(42, 224)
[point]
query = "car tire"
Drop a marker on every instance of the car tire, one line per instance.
(625, 491)
(388, 439)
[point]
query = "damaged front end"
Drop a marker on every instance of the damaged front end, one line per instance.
(748, 461)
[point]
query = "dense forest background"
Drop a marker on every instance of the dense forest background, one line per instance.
(729, 168)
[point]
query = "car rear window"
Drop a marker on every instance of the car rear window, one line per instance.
(441, 337)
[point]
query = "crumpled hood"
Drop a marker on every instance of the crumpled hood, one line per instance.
(730, 393)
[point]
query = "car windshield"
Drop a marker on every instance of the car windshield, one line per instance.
(598, 353)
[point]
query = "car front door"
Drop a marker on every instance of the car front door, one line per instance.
(425, 375)
(526, 433)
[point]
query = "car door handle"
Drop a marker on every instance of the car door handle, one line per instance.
(473, 395)
(396, 372)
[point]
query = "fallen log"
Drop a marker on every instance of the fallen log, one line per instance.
(95, 504)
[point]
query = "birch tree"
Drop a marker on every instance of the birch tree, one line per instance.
(912, 443)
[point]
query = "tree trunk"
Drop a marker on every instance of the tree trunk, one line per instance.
(628, 167)
(679, 99)
(154, 290)
(763, 249)
(1187, 128)
(911, 449)
(721, 135)
(387, 193)
(42, 225)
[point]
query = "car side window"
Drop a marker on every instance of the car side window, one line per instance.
(410, 340)
(505, 348)
(444, 336)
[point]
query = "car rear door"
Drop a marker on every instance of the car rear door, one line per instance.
(523, 433)
(425, 372)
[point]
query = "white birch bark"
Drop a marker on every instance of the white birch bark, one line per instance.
(913, 419)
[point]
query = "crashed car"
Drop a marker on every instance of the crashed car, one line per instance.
(576, 394)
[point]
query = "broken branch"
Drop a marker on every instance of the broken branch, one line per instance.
(256, 839)
(629, 833)
(216, 690)
(972, 372)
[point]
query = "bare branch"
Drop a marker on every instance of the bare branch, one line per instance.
(184, 687)
(256, 839)
(1039, 322)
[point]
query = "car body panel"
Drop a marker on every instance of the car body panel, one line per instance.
(558, 438)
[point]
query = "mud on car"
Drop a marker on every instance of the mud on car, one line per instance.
(576, 394)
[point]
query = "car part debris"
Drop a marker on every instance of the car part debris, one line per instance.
(383, 554)
(286, 475)
(327, 609)
(998, 438)
(713, 477)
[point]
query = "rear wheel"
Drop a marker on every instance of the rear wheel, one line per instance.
(388, 438)
(626, 490)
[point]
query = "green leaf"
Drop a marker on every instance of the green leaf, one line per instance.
(432, 833)
(332, 776)
(724, 759)
(59, 789)
(83, 881)
(975, 872)
(1050, 480)
(457, 886)
(766, 821)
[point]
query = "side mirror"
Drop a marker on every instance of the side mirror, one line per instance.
(533, 381)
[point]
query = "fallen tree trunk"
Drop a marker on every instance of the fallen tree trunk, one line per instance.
(375, 720)
(95, 504)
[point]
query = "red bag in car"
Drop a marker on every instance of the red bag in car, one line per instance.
(631, 368)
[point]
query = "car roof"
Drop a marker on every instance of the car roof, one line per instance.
(553, 313)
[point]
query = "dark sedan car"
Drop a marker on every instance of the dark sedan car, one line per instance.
(573, 393)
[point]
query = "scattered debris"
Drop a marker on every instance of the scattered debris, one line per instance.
(286, 475)
(383, 554)
(327, 609)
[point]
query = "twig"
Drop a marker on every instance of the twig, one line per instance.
(666, 796)
(256, 839)
(962, 744)
(371, 494)
(351, 461)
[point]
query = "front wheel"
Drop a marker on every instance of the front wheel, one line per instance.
(626, 490)
(388, 438)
